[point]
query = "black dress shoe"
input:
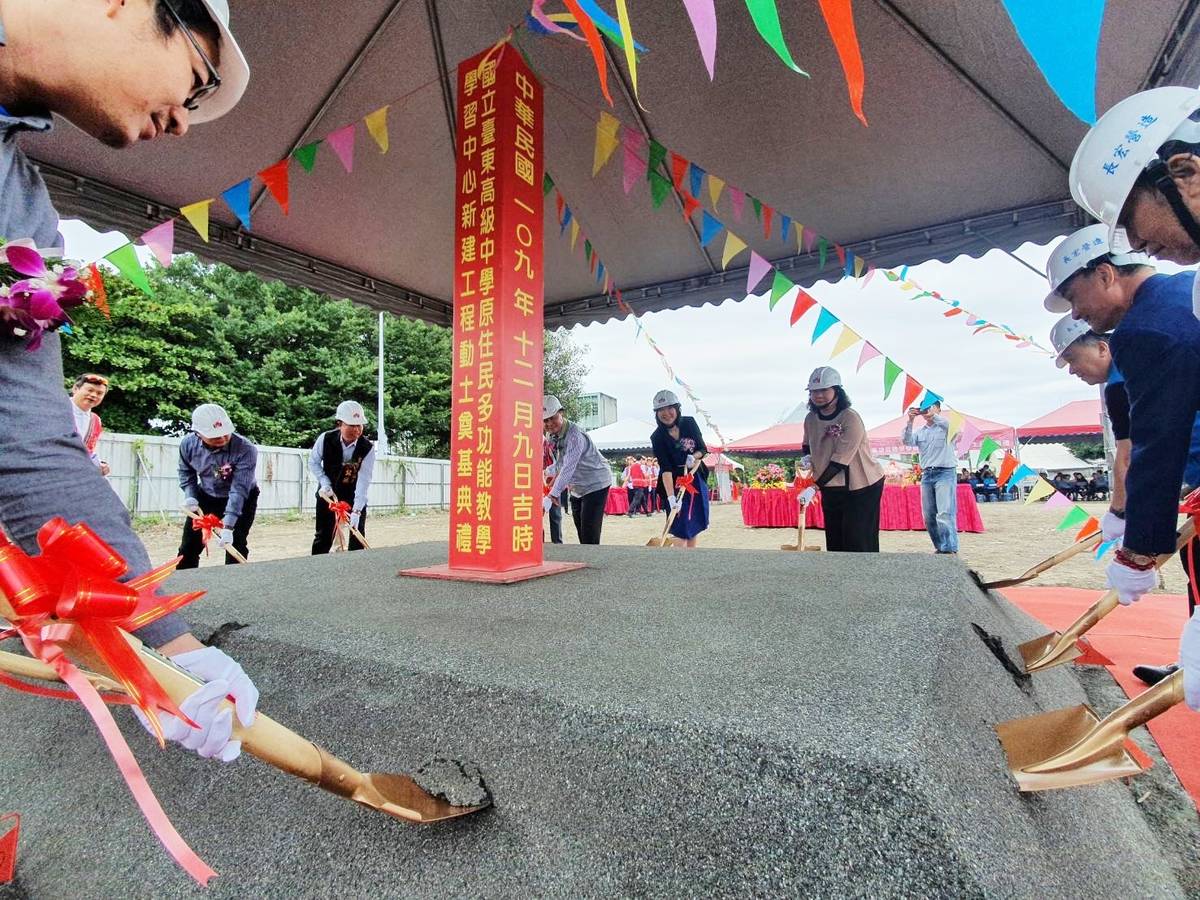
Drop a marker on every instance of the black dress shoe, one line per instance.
(1152, 675)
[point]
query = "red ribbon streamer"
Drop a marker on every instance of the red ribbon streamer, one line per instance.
(341, 512)
(839, 19)
(71, 587)
(207, 524)
(588, 27)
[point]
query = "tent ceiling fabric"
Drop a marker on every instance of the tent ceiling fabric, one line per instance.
(967, 146)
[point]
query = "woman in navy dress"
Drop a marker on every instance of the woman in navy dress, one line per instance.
(679, 446)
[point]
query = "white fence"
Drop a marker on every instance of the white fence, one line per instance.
(144, 473)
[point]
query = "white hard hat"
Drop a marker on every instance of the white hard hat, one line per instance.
(351, 413)
(1065, 332)
(824, 377)
(211, 421)
(1123, 142)
(232, 67)
(550, 406)
(1076, 250)
(663, 399)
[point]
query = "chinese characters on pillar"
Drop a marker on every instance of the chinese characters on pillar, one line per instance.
(495, 438)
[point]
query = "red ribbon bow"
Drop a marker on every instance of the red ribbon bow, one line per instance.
(69, 597)
(207, 524)
(341, 512)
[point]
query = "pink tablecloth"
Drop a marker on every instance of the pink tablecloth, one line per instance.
(900, 509)
(618, 502)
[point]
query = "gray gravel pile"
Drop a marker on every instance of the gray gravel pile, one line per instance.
(712, 723)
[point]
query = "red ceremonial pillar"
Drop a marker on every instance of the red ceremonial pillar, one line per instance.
(496, 421)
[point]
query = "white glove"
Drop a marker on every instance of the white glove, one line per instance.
(806, 463)
(1113, 527)
(691, 460)
(225, 536)
(191, 504)
(1129, 583)
(806, 495)
(224, 677)
(550, 471)
(355, 519)
(327, 495)
(673, 502)
(547, 502)
(1189, 658)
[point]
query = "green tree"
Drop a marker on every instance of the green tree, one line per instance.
(564, 369)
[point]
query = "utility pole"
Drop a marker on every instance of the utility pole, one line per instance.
(381, 434)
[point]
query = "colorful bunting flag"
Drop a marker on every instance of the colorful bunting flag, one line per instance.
(377, 127)
(733, 246)
(987, 448)
(679, 168)
(757, 204)
(839, 19)
(709, 228)
(737, 197)
(891, 372)
(768, 213)
(161, 241)
(1077, 516)
(704, 24)
(695, 179)
(804, 302)
(1042, 488)
(715, 186)
(342, 142)
(912, 390)
(238, 200)
(845, 341)
(607, 140)
(779, 288)
(660, 187)
(126, 261)
(766, 20)
(966, 438)
(574, 234)
(823, 250)
(955, 420)
(276, 179)
(785, 226)
(630, 47)
(868, 353)
(1058, 501)
(635, 158)
(825, 321)
(758, 268)
(592, 36)
(197, 216)
(1022, 472)
(307, 155)
(1064, 44)
(658, 153)
(1007, 466)
(1090, 527)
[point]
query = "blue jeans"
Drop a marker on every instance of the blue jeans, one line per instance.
(939, 507)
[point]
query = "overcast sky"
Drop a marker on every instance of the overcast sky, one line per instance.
(749, 368)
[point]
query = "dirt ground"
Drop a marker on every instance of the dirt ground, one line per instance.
(1015, 537)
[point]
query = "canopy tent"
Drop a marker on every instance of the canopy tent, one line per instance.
(720, 461)
(1054, 458)
(622, 436)
(786, 437)
(885, 438)
(1078, 419)
(950, 93)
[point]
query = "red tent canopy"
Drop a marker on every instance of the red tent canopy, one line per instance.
(784, 438)
(885, 438)
(1080, 418)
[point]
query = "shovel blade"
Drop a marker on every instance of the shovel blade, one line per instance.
(1035, 739)
(1033, 653)
(400, 796)
(789, 547)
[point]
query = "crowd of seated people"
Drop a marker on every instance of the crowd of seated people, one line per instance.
(1077, 487)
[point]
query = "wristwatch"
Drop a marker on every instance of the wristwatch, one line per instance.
(1119, 513)
(1138, 561)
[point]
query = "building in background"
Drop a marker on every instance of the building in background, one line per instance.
(596, 411)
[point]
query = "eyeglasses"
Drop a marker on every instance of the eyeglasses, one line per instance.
(214, 77)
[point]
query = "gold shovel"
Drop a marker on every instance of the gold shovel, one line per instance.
(1045, 565)
(1074, 746)
(799, 545)
(1056, 649)
(395, 794)
(662, 540)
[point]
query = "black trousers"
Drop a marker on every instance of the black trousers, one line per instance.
(1193, 594)
(193, 540)
(556, 514)
(637, 501)
(852, 518)
(588, 513)
(323, 536)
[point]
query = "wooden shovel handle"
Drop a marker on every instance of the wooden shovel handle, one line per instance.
(228, 548)
(662, 541)
(1062, 556)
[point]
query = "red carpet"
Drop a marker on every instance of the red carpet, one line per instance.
(1147, 632)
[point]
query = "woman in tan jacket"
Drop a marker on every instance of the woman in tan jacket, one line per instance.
(849, 478)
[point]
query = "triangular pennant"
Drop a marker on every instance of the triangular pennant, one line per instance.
(587, 250)
(737, 197)
(823, 250)
(825, 321)
(197, 216)
(709, 228)
(966, 438)
(695, 179)
(931, 398)
(1042, 488)
(758, 208)
(574, 234)
(987, 448)
(859, 265)
(715, 186)
(839, 19)
(804, 302)
(161, 241)
(560, 206)
(810, 238)
(276, 179)
(690, 205)
(733, 246)
(766, 20)
(768, 214)
(779, 287)
(547, 184)
(1077, 516)
(377, 127)
(660, 187)
(868, 353)
(566, 220)
(848, 263)
(1058, 501)
(891, 372)
(870, 275)
(912, 390)
(704, 23)
(635, 158)
(607, 141)
(307, 155)
(954, 421)
(238, 200)
(600, 273)
(1021, 473)
(658, 153)
(679, 167)
(342, 142)
(126, 260)
(595, 43)
(841, 254)
(758, 268)
(785, 226)
(1104, 547)
(845, 341)
(1008, 465)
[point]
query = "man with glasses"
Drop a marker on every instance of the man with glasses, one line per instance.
(122, 71)
(1155, 345)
